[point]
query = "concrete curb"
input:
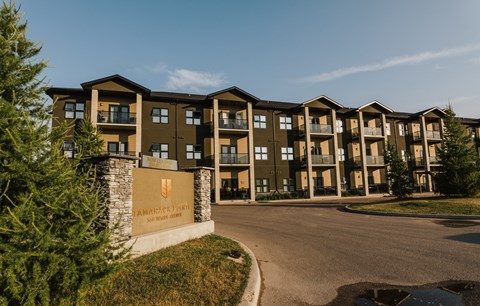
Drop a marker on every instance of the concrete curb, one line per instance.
(391, 214)
(251, 295)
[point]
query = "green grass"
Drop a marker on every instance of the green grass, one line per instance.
(438, 206)
(196, 272)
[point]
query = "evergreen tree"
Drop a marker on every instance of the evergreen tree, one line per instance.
(460, 173)
(401, 183)
(52, 244)
(88, 140)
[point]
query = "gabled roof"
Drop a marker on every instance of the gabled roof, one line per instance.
(336, 105)
(432, 109)
(117, 79)
(233, 89)
(375, 102)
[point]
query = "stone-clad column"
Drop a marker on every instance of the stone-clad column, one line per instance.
(201, 195)
(114, 173)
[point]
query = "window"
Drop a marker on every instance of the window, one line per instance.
(285, 123)
(262, 185)
(387, 127)
(259, 121)
(194, 151)
(160, 150)
(401, 129)
(74, 110)
(193, 117)
(341, 154)
(287, 153)
(160, 115)
(117, 147)
(288, 185)
(404, 155)
(339, 125)
(261, 153)
(68, 148)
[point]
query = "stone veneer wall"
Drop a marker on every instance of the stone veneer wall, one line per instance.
(201, 195)
(114, 173)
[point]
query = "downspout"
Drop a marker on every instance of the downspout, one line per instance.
(176, 133)
(274, 140)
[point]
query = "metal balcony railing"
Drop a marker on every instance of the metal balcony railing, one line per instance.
(320, 128)
(434, 160)
(377, 188)
(125, 153)
(116, 117)
(237, 124)
(419, 161)
(375, 160)
(416, 136)
(241, 158)
(325, 191)
(322, 159)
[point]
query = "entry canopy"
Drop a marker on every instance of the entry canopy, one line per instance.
(322, 102)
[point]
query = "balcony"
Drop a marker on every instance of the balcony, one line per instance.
(234, 159)
(434, 160)
(321, 191)
(377, 188)
(375, 160)
(123, 153)
(116, 117)
(234, 124)
(416, 136)
(322, 159)
(419, 162)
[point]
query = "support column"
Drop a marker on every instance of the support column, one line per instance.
(426, 153)
(216, 151)
(251, 159)
(138, 135)
(333, 114)
(201, 195)
(306, 112)
(363, 152)
(94, 107)
(385, 141)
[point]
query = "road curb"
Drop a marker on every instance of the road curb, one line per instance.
(251, 295)
(392, 214)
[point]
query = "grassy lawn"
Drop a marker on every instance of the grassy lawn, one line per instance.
(192, 273)
(437, 205)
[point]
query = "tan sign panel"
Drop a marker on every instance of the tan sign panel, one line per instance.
(159, 163)
(161, 200)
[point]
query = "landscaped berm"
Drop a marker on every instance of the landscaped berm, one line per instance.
(195, 272)
(434, 206)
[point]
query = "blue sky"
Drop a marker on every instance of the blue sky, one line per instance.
(409, 55)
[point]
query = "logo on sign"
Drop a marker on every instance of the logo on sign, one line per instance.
(166, 188)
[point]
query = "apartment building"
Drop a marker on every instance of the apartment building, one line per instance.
(316, 148)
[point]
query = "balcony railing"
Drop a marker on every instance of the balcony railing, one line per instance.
(325, 191)
(434, 160)
(434, 135)
(116, 117)
(375, 160)
(226, 158)
(320, 128)
(124, 153)
(416, 136)
(322, 159)
(377, 188)
(237, 124)
(373, 131)
(419, 161)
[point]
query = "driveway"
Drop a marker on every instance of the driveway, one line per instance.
(307, 251)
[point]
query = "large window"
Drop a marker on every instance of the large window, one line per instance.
(259, 121)
(262, 185)
(69, 149)
(287, 153)
(194, 151)
(74, 110)
(261, 153)
(160, 150)
(160, 115)
(193, 117)
(285, 123)
(339, 126)
(288, 185)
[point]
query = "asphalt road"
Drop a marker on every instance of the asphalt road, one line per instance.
(308, 251)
